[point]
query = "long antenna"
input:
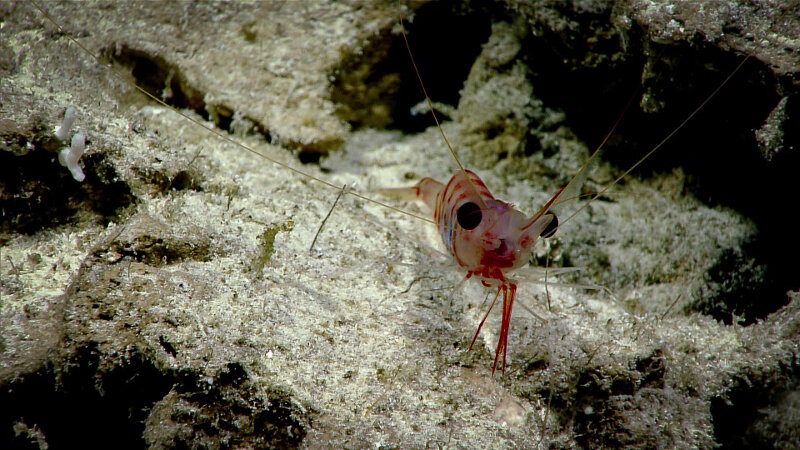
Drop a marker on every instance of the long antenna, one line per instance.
(433, 113)
(427, 97)
(661, 143)
(121, 77)
(676, 129)
(583, 172)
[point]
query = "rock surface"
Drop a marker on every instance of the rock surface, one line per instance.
(172, 299)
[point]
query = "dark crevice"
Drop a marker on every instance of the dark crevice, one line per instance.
(226, 412)
(759, 411)
(307, 157)
(90, 401)
(186, 179)
(583, 70)
(378, 87)
(38, 193)
(593, 408)
(159, 78)
(167, 346)
(718, 152)
(717, 149)
(84, 405)
(742, 286)
(166, 82)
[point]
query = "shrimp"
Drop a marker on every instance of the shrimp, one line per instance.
(488, 238)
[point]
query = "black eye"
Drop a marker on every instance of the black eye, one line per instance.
(469, 216)
(551, 228)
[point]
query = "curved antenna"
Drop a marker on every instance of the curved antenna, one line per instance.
(120, 77)
(433, 113)
(676, 129)
(661, 143)
(580, 178)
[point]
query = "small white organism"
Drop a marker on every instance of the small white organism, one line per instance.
(69, 156)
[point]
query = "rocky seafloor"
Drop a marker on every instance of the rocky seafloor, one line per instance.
(174, 299)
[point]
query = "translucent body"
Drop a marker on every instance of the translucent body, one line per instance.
(487, 237)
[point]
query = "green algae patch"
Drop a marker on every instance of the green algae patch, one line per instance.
(266, 245)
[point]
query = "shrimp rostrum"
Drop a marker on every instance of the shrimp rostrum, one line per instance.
(489, 238)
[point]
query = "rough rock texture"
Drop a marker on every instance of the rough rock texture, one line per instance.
(172, 300)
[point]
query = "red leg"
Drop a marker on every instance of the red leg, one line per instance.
(484, 318)
(502, 344)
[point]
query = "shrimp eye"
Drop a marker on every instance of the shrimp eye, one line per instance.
(551, 227)
(469, 216)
